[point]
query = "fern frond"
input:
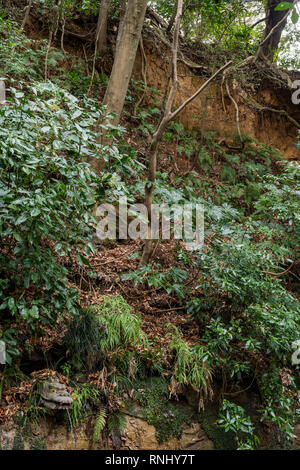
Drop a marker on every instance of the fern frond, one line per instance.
(122, 325)
(116, 421)
(191, 365)
(99, 424)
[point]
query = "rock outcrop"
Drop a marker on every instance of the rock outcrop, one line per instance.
(55, 395)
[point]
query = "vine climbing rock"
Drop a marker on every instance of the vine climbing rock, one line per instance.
(55, 395)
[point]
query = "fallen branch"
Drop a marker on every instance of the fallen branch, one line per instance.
(286, 271)
(167, 310)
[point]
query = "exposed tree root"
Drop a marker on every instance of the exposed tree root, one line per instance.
(237, 112)
(260, 107)
(26, 16)
(144, 73)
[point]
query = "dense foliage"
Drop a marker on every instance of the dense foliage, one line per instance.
(240, 290)
(47, 194)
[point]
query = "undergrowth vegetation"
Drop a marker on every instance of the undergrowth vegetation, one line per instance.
(240, 290)
(47, 194)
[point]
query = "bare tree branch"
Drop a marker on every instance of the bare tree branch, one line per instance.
(189, 100)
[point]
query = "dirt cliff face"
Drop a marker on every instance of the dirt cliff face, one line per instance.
(138, 435)
(53, 434)
(212, 112)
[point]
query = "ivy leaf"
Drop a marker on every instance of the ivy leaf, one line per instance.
(76, 114)
(21, 219)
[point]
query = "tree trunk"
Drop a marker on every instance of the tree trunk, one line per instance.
(122, 10)
(168, 116)
(130, 29)
(173, 17)
(127, 44)
(101, 32)
(148, 247)
(275, 24)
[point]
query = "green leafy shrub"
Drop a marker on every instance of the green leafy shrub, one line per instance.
(280, 404)
(232, 418)
(46, 198)
(278, 206)
(18, 58)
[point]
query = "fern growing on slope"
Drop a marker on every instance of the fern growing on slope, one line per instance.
(191, 365)
(99, 424)
(122, 326)
(116, 422)
(122, 338)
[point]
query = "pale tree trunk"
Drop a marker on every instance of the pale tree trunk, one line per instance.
(130, 29)
(148, 248)
(127, 44)
(101, 31)
(168, 116)
(173, 17)
(122, 10)
(27, 12)
(276, 21)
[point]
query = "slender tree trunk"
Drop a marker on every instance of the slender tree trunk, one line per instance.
(173, 17)
(27, 12)
(130, 29)
(122, 10)
(127, 44)
(168, 116)
(275, 24)
(101, 31)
